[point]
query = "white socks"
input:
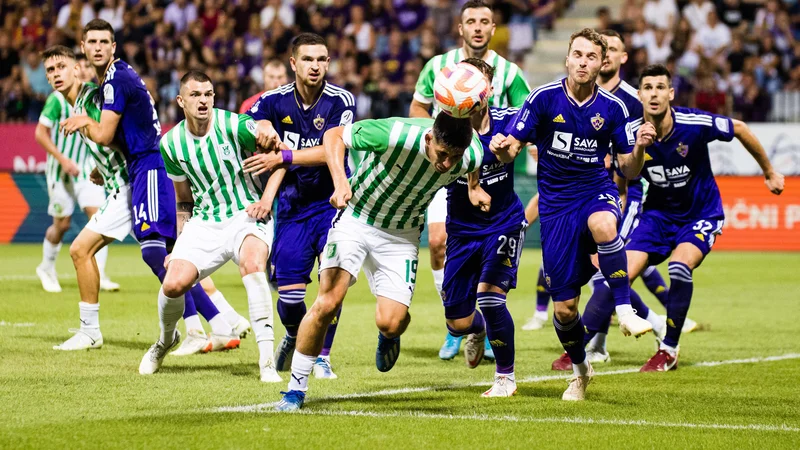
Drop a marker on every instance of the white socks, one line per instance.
(90, 316)
(193, 323)
(49, 254)
(598, 343)
(623, 309)
(225, 308)
(582, 369)
(438, 280)
(259, 299)
(101, 257)
(657, 322)
(301, 369)
(220, 326)
(671, 350)
(170, 311)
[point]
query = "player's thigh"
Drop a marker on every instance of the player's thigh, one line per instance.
(61, 201)
(565, 255)
(500, 255)
(89, 195)
(153, 205)
(113, 218)
(249, 240)
(87, 243)
(203, 246)
(461, 275)
(694, 241)
(651, 235)
(346, 246)
(637, 263)
(602, 216)
(392, 264)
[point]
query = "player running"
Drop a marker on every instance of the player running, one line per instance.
(572, 122)
(128, 121)
(298, 114)
(220, 216)
(477, 27)
(483, 252)
(68, 169)
(683, 214)
(379, 225)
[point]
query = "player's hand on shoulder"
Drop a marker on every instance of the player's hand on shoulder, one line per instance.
(480, 198)
(259, 210)
(646, 135)
(262, 162)
(341, 195)
(774, 181)
(95, 177)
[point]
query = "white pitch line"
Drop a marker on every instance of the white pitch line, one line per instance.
(3, 323)
(265, 407)
(562, 420)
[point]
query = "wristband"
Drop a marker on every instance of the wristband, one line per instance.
(287, 156)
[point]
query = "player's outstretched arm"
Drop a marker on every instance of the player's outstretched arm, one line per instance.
(333, 143)
(532, 210)
(506, 148)
(631, 164)
(773, 178)
(262, 209)
(101, 133)
(42, 136)
(419, 110)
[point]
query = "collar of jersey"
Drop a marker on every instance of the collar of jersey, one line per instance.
(573, 102)
(109, 66)
(300, 104)
(672, 131)
(210, 126)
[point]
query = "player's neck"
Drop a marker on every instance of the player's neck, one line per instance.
(198, 127)
(581, 93)
(663, 123)
(482, 122)
(610, 83)
(308, 94)
(470, 52)
(72, 94)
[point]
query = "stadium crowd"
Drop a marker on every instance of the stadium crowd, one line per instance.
(730, 56)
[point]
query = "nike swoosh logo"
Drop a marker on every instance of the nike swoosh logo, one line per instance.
(84, 322)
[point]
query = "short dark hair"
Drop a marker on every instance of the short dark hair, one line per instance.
(483, 66)
(655, 70)
(613, 33)
(475, 4)
(81, 57)
(195, 75)
(58, 50)
(594, 37)
(307, 39)
(451, 132)
(98, 25)
(603, 10)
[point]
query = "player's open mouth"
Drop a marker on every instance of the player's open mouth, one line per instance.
(58, 84)
(202, 109)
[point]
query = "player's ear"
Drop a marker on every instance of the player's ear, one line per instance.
(494, 28)
(624, 58)
(179, 100)
(671, 93)
(293, 63)
(460, 30)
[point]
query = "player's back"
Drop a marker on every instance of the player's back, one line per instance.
(678, 167)
(497, 179)
(572, 142)
(305, 190)
(139, 130)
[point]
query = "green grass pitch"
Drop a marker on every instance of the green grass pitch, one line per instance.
(97, 399)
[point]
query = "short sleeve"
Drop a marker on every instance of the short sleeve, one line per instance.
(523, 126)
(518, 89)
(343, 113)
(423, 91)
(622, 136)
(51, 113)
(114, 95)
(174, 171)
(368, 135)
(474, 154)
(246, 132)
(721, 129)
(262, 108)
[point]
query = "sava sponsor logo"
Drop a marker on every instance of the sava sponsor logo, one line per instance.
(295, 142)
(666, 176)
(576, 148)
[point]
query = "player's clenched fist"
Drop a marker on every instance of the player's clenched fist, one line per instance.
(499, 143)
(259, 210)
(646, 135)
(340, 197)
(266, 136)
(774, 181)
(480, 198)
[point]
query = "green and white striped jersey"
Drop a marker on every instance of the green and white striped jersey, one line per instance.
(57, 109)
(110, 163)
(510, 87)
(396, 182)
(213, 164)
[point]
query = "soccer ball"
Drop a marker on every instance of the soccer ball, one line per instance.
(461, 90)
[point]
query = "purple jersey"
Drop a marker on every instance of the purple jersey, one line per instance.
(497, 179)
(572, 142)
(630, 96)
(305, 191)
(682, 186)
(139, 130)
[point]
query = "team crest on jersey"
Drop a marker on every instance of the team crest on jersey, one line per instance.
(251, 126)
(319, 122)
(597, 122)
(227, 151)
(331, 251)
(682, 149)
(108, 94)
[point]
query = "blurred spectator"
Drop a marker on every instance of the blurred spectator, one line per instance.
(661, 14)
(180, 13)
(360, 30)
(642, 36)
(395, 57)
(659, 49)
(696, 12)
(113, 12)
(708, 96)
(714, 37)
(737, 55)
(34, 84)
(9, 60)
(753, 104)
(730, 13)
(73, 16)
(276, 9)
(606, 22)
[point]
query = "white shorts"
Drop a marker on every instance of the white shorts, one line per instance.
(65, 194)
(113, 219)
(209, 245)
(389, 257)
(437, 210)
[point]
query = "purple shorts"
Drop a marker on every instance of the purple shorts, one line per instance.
(297, 246)
(153, 206)
(658, 235)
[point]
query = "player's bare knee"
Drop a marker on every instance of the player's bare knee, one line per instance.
(174, 287)
(565, 311)
(78, 251)
(326, 306)
(252, 265)
(603, 226)
(390, 326)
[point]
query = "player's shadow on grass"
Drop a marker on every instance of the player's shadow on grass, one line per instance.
(238, 369)
(421, 352)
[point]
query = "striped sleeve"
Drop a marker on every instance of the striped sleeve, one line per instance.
(517, 88)
(174, 170)
(246, 135)
(368, 135)
(51, 114)
(423, 92)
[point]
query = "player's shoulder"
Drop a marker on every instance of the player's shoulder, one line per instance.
(55, 97)
(338, 95)
(168, 138)
(612, 101)
(278, 92)
(545, 91)
(625, 89)
(692, 116)
(502, 116)
(508, 67)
